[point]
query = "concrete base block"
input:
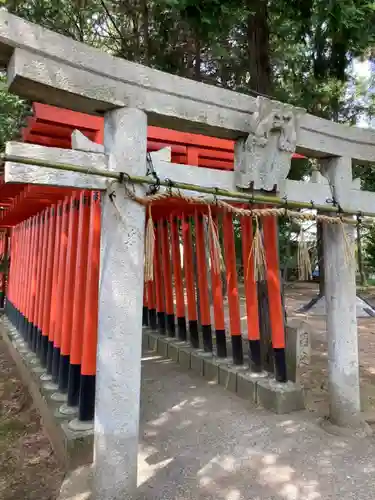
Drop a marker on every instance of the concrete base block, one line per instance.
(197, 362)
(78, 445)
(280, 398)
(247, 385)
(162, 347)
(173, 352)
(152, 341)
(228, 375)
(211, 370)
(184, 357)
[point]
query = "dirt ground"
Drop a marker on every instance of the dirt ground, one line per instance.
(314, 378)
(28, 467)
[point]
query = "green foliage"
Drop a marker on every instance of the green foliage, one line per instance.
(297, 51)
(12, 113)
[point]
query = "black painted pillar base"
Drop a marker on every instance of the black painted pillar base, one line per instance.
(74, 383)
(86, 406)
(29, 334)
(255, 356)
(145, 316)
(237, 351)
(39, 336)
(221, 344)
(55, 364)
(171, 327)
(280, 365)
(207, 338)
(161, 322)
(152, 319)
(49, 357)
(64, 372)
(43, 350)
(181, 328)
(194, 336)
(34, 338)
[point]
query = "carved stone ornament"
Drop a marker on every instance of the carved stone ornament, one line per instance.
(262, 161)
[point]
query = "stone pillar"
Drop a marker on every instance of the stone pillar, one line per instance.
(340, 293)
(120, 314)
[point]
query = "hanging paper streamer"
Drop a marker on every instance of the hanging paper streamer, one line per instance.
(303, 258)
(349, 246)
(257, 251)
(149, 247)
(217, 257)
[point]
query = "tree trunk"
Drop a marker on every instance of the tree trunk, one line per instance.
(145, 29)
(197, 59)
(258, 47)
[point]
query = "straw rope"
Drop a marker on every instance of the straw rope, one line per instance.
(257, 251)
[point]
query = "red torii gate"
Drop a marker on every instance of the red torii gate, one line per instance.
(51, 126)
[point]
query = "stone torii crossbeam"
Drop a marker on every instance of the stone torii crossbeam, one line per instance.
(47, 67)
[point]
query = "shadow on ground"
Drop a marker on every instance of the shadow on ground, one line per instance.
(200, 442)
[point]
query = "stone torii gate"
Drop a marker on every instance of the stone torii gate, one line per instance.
(47, 67)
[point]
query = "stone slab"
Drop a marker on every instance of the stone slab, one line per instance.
(228, 376)
(197, 362)
(184, 357)
(173, 352)
(42, 63)
(280, 398)
(152, 341)
(247, 384)
(162, 347)
(318, 308)
(211, 370)
(298, 348)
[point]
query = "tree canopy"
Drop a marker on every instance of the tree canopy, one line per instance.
(297, 51)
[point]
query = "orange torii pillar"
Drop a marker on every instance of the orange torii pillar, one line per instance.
(276, 311)
(145, 319)
(48, 285)
(35, 282)
(179, 288)
(217, 297)
(204, 299)
(42, 345)
(253, 331)
(232, 287)
(160, 308)
(68, 293)
(63, 250)
(90, 325)
(3, 276)
(189, 281)
(54, 299)
(79, 300)
(167, 277)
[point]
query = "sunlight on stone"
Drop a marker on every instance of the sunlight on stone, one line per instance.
(147, 471)
(184, 424)
(269, 459)
(179, 406)
(233, 495)
(276, 474)
(290, 492)
(163, 419)
(285, 423)
(151, 358)
(198, 401)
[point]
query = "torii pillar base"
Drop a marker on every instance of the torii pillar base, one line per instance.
(317, 307)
